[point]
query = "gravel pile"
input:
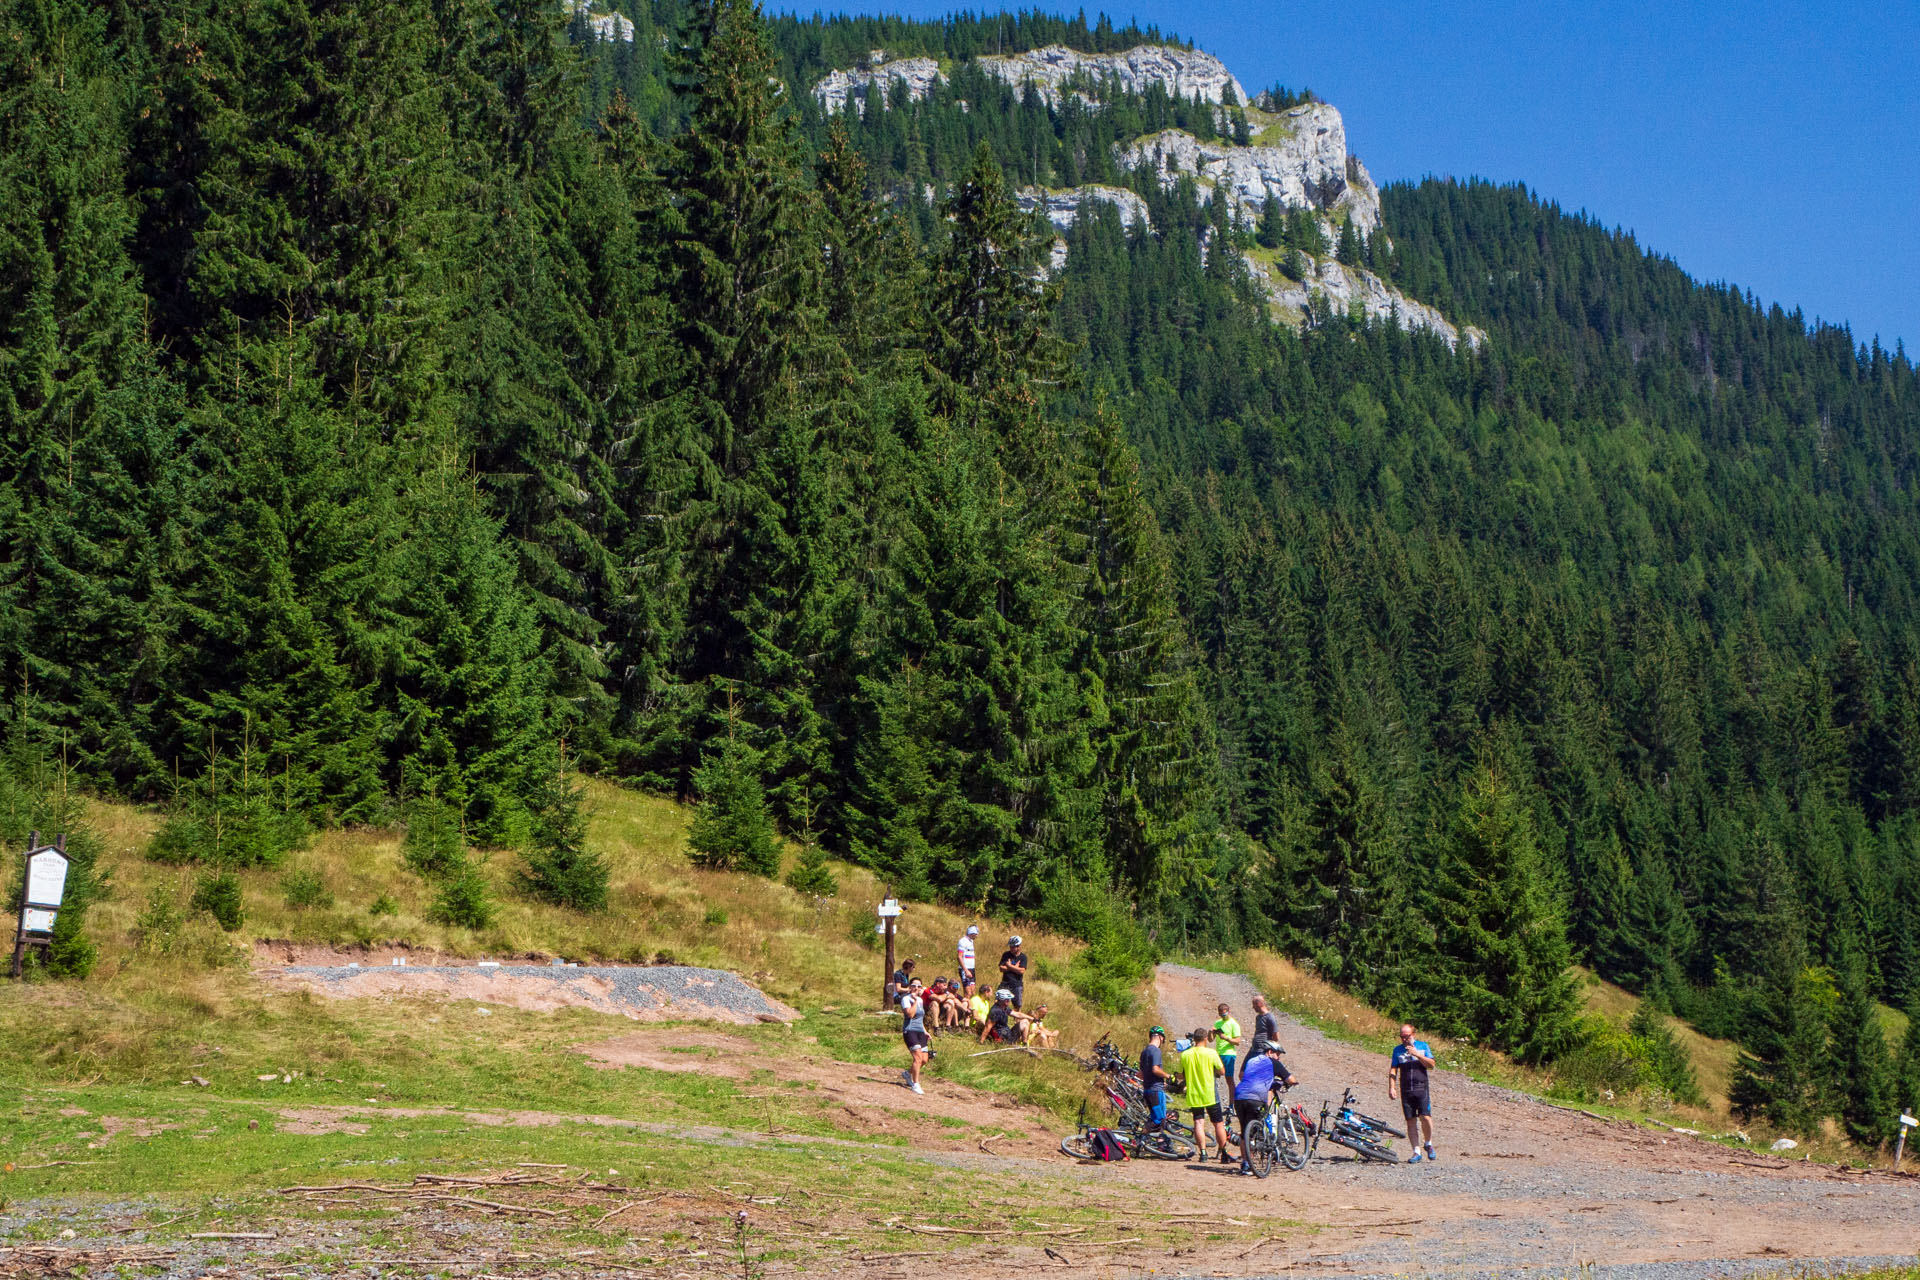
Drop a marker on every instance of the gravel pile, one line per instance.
(642, 992)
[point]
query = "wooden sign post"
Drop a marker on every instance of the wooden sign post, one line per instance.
(1900, 1148)
(45, 887)
(889, 912)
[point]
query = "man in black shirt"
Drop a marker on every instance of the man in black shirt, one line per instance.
(999, 1023)
(1266, 1027)
(1013, 969)
(1153, 1075)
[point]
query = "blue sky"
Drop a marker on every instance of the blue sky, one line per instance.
(1773, 146)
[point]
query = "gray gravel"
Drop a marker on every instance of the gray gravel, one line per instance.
(646, 990)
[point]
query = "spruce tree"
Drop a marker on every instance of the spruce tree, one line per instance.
(1782, 1072)
(1505, 973)
(1862, 1066)
(732, 829)
(1906, 1078)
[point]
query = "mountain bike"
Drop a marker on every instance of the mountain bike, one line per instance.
(1348, 1114)
(1354, 1134)
(1278, 1137)
(1148, 1141)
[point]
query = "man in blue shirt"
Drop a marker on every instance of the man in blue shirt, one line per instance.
(1153, 1075)
(1411, 1061)
(1263, 1074)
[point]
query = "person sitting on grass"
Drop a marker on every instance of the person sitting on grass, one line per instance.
(978, 1006)
(948, 1002)
(999, 1025)
(1034, 1031)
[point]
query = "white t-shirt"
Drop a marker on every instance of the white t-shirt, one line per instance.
(966, 952)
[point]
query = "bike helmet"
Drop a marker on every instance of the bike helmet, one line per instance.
(1157, 1031)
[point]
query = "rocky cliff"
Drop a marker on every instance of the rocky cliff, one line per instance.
(1301, 160)
(1062, 207)
(1184, 73)
(874, 80)
(1326, 285)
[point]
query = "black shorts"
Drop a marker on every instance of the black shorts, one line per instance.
(1211, 1112)
(1014, 989)
(1415, 1104)
(1249, 1111)
(915, 1039)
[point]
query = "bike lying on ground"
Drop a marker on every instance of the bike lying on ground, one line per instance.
(1361, 1134)
(1149, 1141)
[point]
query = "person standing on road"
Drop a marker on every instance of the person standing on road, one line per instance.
(1013, 969)
(913, 1030)
(1202, 1067)
(1412, 1060)
(1153, 1075)
(1226, 1039)
(1266, 1027)
(967, 961)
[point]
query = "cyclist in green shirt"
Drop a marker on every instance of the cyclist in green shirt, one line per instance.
(1226, 1042)
(1200, 1065)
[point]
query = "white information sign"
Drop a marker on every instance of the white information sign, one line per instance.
(891, 907)
(37, 920)
(46, 878)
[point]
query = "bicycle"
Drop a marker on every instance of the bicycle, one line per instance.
(1350, 1130)
(1277, 1137)
(1157, 1142)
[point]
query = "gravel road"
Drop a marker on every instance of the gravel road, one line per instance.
(643, 992)
(1523, 1187)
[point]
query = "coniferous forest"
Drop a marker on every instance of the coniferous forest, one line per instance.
(408, 407)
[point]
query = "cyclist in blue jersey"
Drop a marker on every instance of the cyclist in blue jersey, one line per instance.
(1263, 1074)
(1407, 1072)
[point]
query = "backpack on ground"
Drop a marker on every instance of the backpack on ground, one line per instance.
(1105, 1146)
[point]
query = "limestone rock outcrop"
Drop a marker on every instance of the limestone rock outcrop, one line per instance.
(1326, 284)
(1304, 164)
(1062, 207)
(1184, 73)
(611, 27)
(874, 80)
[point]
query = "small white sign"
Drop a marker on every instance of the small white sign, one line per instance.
(46, 877)
(37, 920)
(890, 907)
(1909, 1121)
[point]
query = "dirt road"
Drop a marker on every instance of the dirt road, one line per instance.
(1524, 1187)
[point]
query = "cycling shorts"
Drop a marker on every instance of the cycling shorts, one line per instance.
(1227, 1061)
(1249, 1111)
(1415, 1104)
(915, 1039)
(1211, 1112)
(1157, 1105)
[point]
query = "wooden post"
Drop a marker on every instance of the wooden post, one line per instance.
(1899, 1148)
(20, 918)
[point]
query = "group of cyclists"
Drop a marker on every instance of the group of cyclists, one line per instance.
(1206, 1070)
(959, 1004)
(1206, 1078)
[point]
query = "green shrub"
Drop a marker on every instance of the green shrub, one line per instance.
(219, 896)
(732, 828)
(304, 889)
(1118, 956)
(384, 905)
(559, 867)
(1667, 1061)
(464, 899)
(435, 846)
(1604, 1063)
(810, 874)
(716, 916)
(157, 927)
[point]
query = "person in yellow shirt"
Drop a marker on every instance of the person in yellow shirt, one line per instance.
(977, 1007)
(1201, 1067)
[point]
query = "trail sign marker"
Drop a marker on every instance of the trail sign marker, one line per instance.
(889, 912)
(44, 890)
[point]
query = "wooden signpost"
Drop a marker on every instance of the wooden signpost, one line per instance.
(889, 913)
(45, 887)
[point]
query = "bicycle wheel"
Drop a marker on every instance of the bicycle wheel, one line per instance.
(1077, 1146)
(1367, 1150)
(1381, 1125)
(1288, 1147)
(1259, 1150)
